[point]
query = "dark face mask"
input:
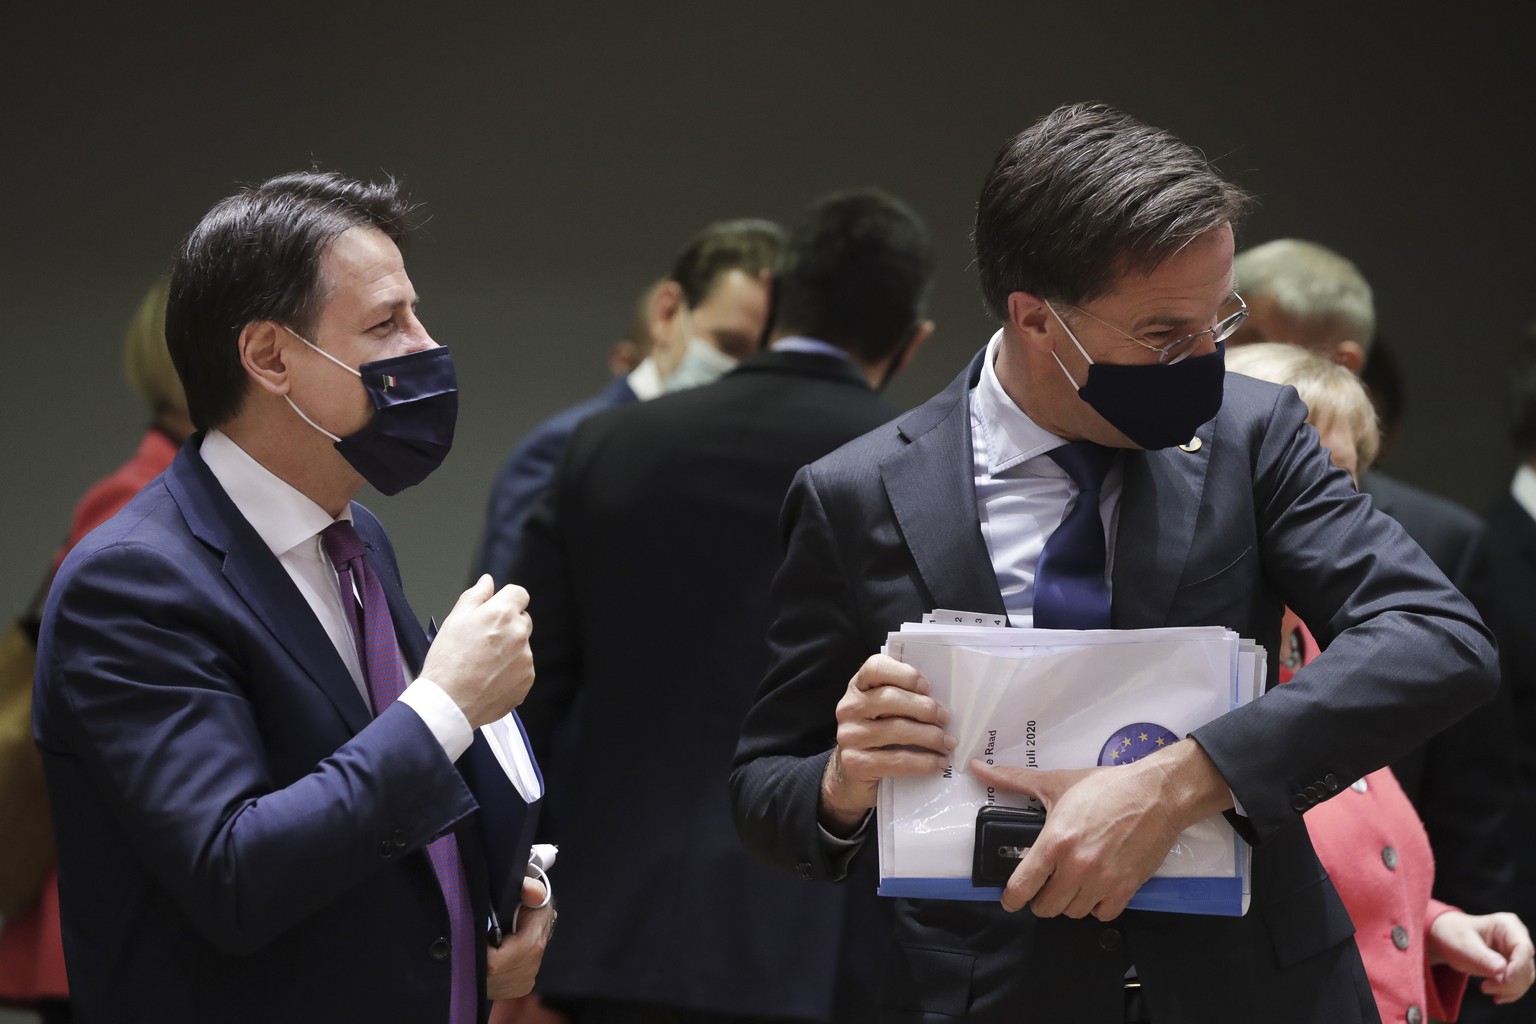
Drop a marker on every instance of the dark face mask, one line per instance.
(416, 405)
(1156, 405)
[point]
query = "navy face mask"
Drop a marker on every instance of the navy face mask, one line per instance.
(415, 407)
(1156, 405)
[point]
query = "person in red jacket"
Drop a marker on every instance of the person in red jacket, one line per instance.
(1419, 952)
(31, 950)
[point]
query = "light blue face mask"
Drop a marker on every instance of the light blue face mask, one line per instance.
(702, 364)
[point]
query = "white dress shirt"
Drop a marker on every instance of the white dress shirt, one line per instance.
(1523, 488)
(1022, 495)
(645, 380)
(290, 524)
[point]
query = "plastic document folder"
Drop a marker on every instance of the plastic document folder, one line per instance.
(1046, 699)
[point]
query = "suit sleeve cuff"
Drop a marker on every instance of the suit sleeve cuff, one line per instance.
(442, 716)
(839, 852)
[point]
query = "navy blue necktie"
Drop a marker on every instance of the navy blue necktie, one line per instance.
(1070, 592)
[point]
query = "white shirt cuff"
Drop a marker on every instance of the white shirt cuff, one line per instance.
(441, 715)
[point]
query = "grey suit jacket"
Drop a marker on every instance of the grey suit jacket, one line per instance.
(1254, 519)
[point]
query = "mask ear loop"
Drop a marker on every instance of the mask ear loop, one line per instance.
(549, 893)
(333, 359)
(356, 373)
(549, 889)
(311, 422)
(1075, 385)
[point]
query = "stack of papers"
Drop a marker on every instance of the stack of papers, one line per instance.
(509, 743)
(1040, 698)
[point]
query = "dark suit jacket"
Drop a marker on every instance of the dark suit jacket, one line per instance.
(1512, 599)
(239, 838)
(649, 571)
(886, 529)
(526, 474)
(1462, 781)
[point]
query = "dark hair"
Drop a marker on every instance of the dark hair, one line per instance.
(1085, 195)
(855, 273)
(257, 256)
(751, 246)
(1522, 393)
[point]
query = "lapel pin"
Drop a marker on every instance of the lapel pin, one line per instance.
(1192, 445)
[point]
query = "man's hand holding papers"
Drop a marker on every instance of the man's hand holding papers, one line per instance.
(1106, 829)
(1059, 708)
(887, 726)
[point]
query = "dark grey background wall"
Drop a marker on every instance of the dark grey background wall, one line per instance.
(565, 151)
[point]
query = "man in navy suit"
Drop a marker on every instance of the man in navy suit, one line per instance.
(257, 818)
(704, 317)
(1104, 248)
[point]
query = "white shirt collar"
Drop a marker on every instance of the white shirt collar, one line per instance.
(1524, 489)
(282, 515)
(1011, 436)
(645, 380)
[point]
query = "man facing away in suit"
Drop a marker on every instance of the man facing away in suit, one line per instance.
(257, 818)
(651, 560)
(704, 317)
(1104, 247)
(1462, 780)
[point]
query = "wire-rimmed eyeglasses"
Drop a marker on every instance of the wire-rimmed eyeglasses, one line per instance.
(1172, 351)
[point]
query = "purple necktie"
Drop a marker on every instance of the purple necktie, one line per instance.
(1070, 592)
(374, 631)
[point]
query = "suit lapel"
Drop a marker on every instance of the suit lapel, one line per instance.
(931, 484)
(1158, 507)
(260, 580)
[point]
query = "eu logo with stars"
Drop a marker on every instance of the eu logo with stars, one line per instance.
(1134, 742)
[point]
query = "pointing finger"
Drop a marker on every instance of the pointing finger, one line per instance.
(1045, 786)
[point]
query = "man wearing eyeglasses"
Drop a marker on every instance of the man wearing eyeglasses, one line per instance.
(1098, 423)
